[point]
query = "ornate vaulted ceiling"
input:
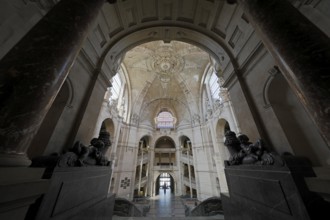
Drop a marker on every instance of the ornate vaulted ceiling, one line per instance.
(165, 76)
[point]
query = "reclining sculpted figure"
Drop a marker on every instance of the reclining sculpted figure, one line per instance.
(79, 154)
(90, 155)
(243, 151)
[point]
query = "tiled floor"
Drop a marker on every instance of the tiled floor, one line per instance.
(166, 205)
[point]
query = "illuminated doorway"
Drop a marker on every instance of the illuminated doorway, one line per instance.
(165, 179)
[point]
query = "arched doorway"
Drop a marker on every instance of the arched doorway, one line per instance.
(165, 179)
(221, 129)
(109, 126)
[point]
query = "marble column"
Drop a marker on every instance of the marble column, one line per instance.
(35, 69)
(301, 50)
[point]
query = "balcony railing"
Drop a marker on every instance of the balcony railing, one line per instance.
(145, 158)
(187, 183)
(165, 167)
(185, 158)
(143, 181)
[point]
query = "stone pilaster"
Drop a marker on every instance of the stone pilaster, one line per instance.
(301, 50)
(35, 69)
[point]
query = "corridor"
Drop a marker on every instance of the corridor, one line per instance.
(166, 206)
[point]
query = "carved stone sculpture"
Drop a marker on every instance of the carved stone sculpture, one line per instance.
(233, 146)
(242, 151)
(80, 155)
(88, 155)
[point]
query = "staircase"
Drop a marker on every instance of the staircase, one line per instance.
(168, 218)
(170, 207)
(321, 183)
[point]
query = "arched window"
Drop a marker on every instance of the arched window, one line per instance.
(117, 95)
(116, 86)
(165, 120)
(214, 87)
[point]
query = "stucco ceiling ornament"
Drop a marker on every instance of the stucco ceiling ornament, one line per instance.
(196, 120)
(166, 63)
(135, 119)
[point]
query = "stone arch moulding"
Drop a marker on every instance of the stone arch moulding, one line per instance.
(109, 126)
(147, 137)
(265, 94)
(160, 172)
(206, 76)
(184, 136)
(220, 128)
(205, 40)
(68, 82)
(127, 88)
(161, 138)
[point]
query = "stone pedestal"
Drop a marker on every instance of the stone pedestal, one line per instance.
(76, 193)
(258, 192)
(19, 188)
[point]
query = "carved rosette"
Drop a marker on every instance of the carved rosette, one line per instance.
(166, 62)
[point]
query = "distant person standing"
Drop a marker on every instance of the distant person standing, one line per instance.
(164, 187)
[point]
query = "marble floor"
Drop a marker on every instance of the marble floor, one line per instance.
(166, 206)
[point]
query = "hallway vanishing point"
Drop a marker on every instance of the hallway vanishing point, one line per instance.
(167, 206)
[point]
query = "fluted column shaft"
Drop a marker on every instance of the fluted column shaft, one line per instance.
(301, 51)
(35, 69)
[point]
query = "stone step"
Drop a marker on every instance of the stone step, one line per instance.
(322, 172)
(320, 186)
(220, 217)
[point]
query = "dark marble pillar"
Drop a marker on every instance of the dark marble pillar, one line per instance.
(32, 73)
(302, 52)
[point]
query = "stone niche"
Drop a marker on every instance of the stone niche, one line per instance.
(76, 193)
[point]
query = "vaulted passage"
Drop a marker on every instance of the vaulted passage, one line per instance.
(204, 109)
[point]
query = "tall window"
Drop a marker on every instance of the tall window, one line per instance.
(165, 120)
(116, 86)
(214, 87)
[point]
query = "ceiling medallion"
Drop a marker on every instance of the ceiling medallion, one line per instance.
(166, 62)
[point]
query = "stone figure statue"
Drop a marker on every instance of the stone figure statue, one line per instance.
(89, 155)
(243, 151)
(80, 155)
(94, 154)
(233, 145)
(250, 152)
